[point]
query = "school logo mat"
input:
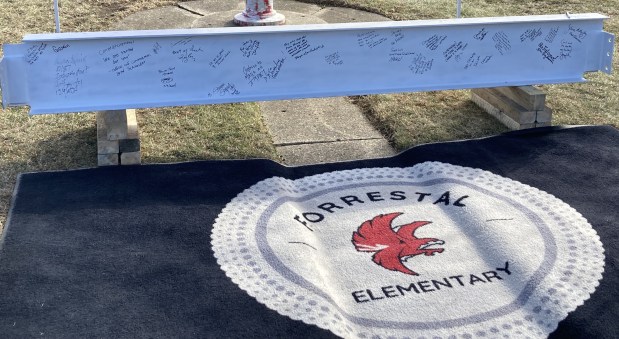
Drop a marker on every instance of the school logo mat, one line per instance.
(433, 250)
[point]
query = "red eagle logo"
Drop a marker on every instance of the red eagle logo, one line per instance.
(393, 247)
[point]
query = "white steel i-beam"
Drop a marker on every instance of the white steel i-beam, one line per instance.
(71, 72)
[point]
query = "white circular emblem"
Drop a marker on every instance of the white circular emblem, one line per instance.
(433, 250)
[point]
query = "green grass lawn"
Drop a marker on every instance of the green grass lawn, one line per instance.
(237, 131)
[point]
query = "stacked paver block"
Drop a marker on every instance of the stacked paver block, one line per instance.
(118, 139)
(517, 107)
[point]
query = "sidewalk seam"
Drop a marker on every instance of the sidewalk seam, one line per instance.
(296, 143)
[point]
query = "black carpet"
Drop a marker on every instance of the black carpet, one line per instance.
(125, 252)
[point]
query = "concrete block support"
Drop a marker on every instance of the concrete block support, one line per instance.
(118, 139)
(517, 107)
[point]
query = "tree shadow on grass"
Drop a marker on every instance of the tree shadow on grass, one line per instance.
(69, 150)
(413, 119)
(466, 120)
(72, 149)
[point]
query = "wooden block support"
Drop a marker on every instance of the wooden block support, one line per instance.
(132, 125)
(107, 147)
(517, 107)
(544, 116)
(529, 97)
(130, 158)
(118, 139)
(108, 159)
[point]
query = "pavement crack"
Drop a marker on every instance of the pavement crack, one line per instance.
(181, 6)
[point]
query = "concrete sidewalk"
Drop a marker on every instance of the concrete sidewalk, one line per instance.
(306, 131)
